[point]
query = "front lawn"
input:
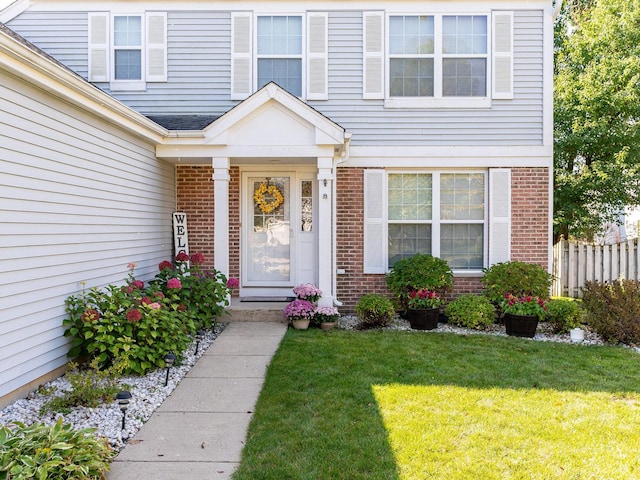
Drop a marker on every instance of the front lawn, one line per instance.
(408, 405)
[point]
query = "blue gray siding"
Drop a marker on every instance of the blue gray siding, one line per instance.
(199, 74)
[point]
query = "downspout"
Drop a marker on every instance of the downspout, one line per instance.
(334, 220)
(556, 10)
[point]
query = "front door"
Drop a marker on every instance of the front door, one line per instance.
(278, 232)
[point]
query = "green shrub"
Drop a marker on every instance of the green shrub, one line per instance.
(563, 314)
(517, 278)
(89, 387)
(420, 271)
(374, 310)
(613, 310)
(55, 452)
(471, 311)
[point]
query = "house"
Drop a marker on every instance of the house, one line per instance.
(313, 141)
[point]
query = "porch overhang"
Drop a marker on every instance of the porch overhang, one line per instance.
(270, 124)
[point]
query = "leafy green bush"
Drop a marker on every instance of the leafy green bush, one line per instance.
(421, 271)
(140, 323)
(613, 310)
(204, 293)
(517, 278)
(89, 387)
(563, 314)
(471, 311)
(374, 310)
(55, 452)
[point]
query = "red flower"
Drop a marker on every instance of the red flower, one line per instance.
(197, 259)
(134, 315)
(233, 282)
(174, 283)
(159, 295)
(182, 257)
(165, 265)
(137, 284)
(127, 289)
(90, 315)
(145, 300)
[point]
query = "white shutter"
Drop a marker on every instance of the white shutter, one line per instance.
(317, 56)
(502, 55)
(373, 50)
(241, 55)
(98, 47)
(156, 46)
(499, 215)
(374, 225)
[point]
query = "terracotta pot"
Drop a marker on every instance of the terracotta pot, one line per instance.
(300, 324)
(423, 319)
(521, 325)
(327, 325)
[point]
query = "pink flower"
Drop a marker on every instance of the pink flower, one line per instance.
(165, 265)
(134, 315)
(155, 306)
(159, 295)
(174, 283)
(137, 284)
(197, 259)
(299, 309)
(182, 257)
(145, 300)
(233, 282)
(127, 289)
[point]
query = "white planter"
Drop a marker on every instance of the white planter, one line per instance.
(577, 335)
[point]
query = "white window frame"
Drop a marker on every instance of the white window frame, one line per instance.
(438, 100)
(436, 221)
(132, 85)
(303, 49)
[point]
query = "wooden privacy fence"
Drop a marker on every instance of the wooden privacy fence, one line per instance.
(576, 263)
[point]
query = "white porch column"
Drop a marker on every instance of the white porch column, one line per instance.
(221, 214)
(325, 251)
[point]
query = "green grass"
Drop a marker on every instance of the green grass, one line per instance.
(412, 406)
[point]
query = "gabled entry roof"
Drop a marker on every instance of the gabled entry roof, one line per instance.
(270, 123)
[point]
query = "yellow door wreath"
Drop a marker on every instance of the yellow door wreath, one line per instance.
(260, 197)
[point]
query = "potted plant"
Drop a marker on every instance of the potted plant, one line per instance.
(327, 317)
(516, 278)
(307, 291)
(423, 309)
(299, 313)
(420, 271)
(521, 314)
(471, 311)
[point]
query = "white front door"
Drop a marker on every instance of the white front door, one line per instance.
(278, 235)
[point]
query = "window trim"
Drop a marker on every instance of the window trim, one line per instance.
(436, 223)
(439, 101)
(303, 57)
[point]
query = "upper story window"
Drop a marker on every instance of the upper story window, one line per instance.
(291, 50)
(127, 51)
(279, 52)
(127, 47)
(438, 60)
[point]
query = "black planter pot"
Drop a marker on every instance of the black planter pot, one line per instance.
(423, 319)
(521, 325)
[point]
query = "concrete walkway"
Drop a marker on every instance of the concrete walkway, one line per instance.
(198, 433)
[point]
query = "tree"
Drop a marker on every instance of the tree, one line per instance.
(597, 113)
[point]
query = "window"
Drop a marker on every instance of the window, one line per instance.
(279, 48)
(127, 50)
(127, 47)
(452, 64)
(442, 214)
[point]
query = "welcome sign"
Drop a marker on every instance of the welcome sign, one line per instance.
(180, 235)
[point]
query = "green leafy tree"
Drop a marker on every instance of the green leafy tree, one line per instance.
(597, 108)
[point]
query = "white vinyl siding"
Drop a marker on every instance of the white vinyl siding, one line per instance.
(80, 200)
